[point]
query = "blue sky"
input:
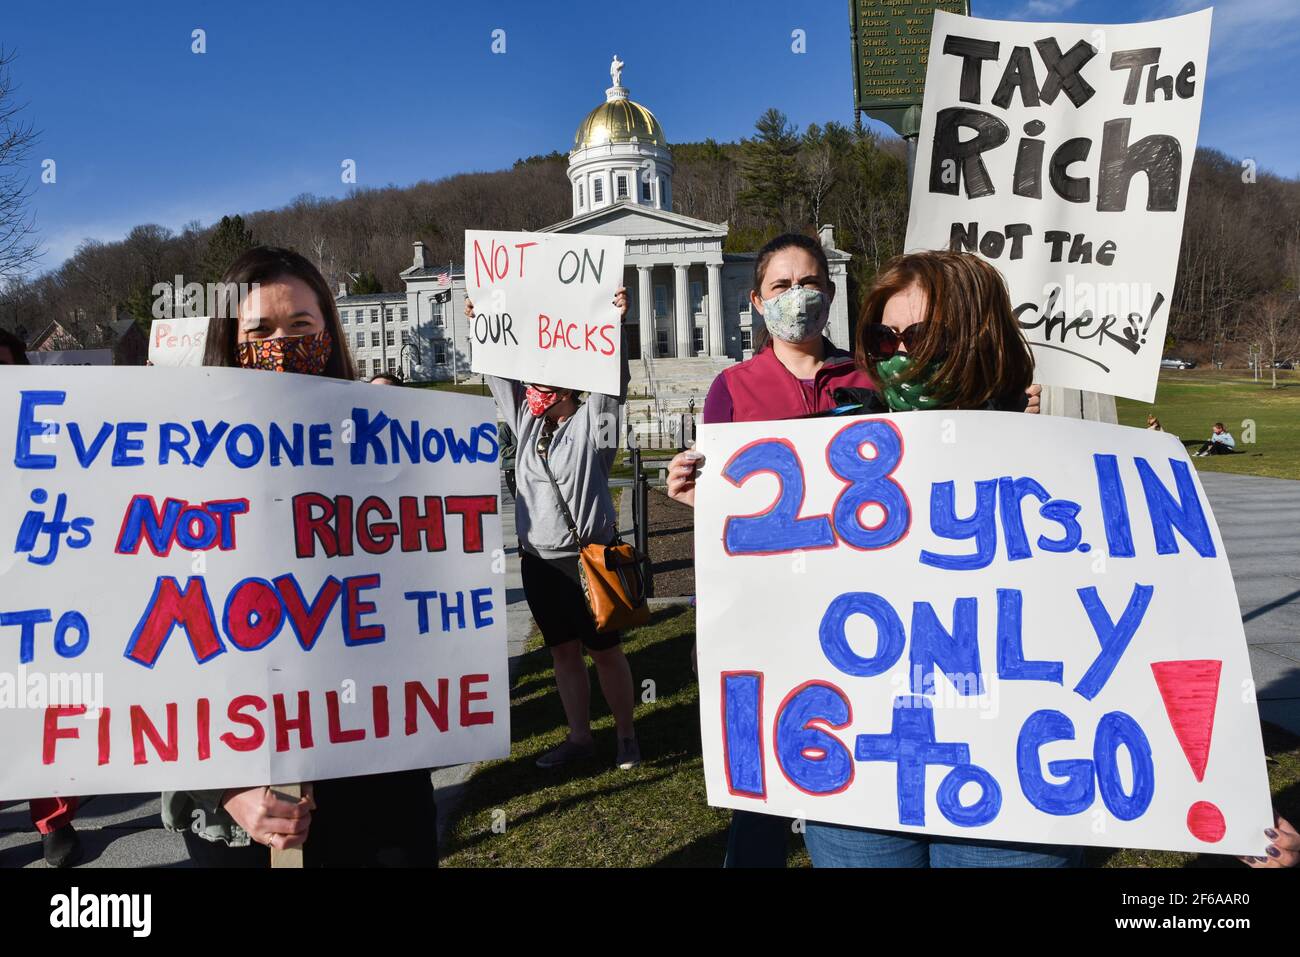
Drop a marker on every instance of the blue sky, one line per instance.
(144, 130)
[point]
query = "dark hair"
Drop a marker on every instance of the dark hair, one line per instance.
(394, 377)
(16, 347)
(970, 329)
(266, 264)
(770, 248)
(1220, 425)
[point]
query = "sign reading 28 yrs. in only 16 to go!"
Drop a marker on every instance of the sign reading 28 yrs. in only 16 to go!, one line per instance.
(979, 624)
(544, 308)
(1062, 153)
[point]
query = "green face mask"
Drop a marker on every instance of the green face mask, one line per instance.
(904, 394)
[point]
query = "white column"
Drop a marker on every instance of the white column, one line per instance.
(646, 311)
(682, 311)
(717, 340)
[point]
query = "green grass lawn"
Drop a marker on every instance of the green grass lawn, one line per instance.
(592, 815)
(474, 387)
(1189, 402)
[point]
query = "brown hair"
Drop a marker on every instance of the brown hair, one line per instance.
(970, 330)
(266, 264)
(770, 248)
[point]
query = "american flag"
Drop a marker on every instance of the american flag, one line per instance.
(444, 279)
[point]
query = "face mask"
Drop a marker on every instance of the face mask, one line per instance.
(305, 354)
(797, 315)
(904, 394)
(539, 401)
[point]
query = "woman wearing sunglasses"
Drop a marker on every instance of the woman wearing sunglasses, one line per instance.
(564, 451)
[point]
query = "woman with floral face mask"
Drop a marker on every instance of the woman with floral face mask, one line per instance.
(280, 317)
(564, 451)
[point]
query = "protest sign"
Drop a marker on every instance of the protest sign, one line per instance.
(220, 577)
(543, 308)
(1062, 154)
(71, 357)
(979, 624)
(178, 342)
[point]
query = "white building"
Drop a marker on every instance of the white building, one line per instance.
(689, 312)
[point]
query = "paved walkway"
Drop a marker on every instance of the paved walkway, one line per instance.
(1259, 519)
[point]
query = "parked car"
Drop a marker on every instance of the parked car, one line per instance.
(1177, 364)
(1284, 364)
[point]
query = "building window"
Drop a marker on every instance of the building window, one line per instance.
(406, 337)
(742, 301)
(435, 312)
(645, 190)
(746, 340)
(697, 339)
(661, 301)
(343, 316)
(361, 340)
(375, 367)
(440, 352)
(661, 343)
(697, 298)
(374, 338)
(621, 190)
(401, 313)
(389, 338)
(663, 194)
(392, 364)
(581, 198)
(597, 191)
(374, 315)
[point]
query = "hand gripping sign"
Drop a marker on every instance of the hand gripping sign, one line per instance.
(978, 624)
(217, 577)
(543, 308)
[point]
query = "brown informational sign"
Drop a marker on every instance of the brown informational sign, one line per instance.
(891, 44)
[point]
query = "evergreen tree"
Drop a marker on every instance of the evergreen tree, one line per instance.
(366, 283)
(227, 243)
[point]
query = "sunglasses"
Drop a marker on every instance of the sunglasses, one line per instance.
(882, 342)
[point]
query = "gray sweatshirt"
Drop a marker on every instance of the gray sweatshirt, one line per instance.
(581, 454)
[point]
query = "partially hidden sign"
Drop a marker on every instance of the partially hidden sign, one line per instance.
(1062, 153)
(178, 342)
(978, 624)
(544, 308)
(219, 577)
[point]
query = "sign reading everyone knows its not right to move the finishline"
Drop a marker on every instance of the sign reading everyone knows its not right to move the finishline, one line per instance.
(1062, 153)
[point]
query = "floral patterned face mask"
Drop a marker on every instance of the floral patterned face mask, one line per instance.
(306, 354)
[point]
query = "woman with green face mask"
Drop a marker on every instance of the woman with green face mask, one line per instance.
(937, 332)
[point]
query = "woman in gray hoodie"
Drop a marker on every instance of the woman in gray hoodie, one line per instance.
(565, 450)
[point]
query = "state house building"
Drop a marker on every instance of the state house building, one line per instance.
(688, 302)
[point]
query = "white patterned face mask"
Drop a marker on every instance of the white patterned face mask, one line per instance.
(797, 315)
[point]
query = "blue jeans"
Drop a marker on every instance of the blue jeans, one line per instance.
(832, 845)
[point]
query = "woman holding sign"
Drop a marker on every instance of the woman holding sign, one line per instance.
(564, 451)
(288, 322)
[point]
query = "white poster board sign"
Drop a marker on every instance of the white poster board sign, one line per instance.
(178, 342)
(978, 624)
(1062, 153)
(71, 357)
(223, 577)
(544, 308)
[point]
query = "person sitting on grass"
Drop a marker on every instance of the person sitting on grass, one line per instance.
(1153, 424)
(1220, 442)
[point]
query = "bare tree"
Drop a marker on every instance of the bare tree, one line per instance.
(1271, 324)
(19, 248)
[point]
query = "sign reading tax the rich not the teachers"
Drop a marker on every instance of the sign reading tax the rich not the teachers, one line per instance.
(543, 308)
(1062, 153)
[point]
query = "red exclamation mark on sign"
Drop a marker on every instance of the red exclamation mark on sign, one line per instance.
(1190, 690)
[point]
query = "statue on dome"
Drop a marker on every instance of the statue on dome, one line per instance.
(616, 71)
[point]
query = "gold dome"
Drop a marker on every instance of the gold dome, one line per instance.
(618, 121)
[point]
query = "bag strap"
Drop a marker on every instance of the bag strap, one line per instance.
(564, 506)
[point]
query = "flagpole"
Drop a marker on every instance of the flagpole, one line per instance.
(451, 303)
